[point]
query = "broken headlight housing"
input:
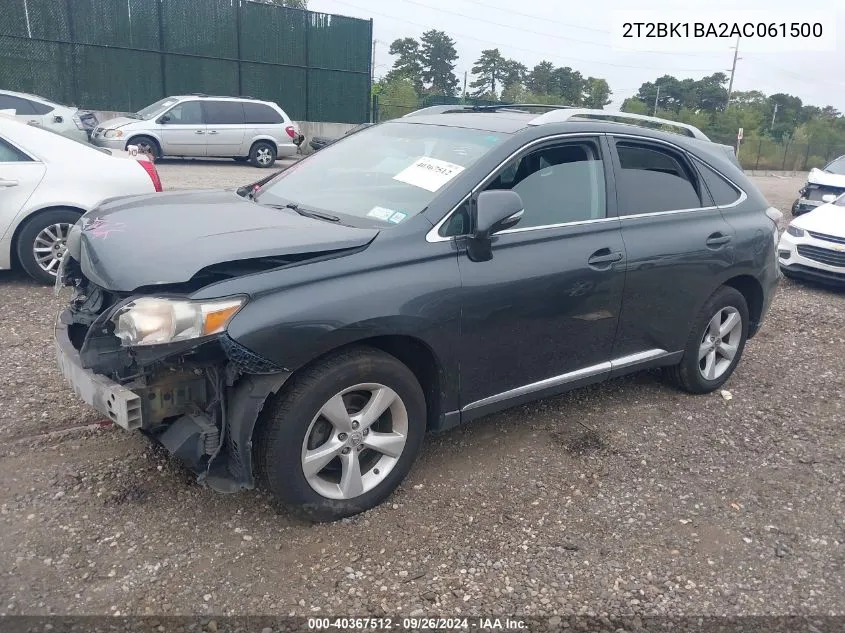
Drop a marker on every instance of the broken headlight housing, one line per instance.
(157, 320)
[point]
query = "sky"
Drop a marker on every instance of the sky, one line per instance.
(578, 34)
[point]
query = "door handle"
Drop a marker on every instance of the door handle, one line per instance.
(199, 132)
(604, 256)
(716, 240)
(213, 132)
(8, 183)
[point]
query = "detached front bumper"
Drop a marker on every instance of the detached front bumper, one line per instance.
(121, 405)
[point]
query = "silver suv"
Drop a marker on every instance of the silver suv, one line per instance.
(242, 128)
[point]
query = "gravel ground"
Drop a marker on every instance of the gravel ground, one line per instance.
(628, 497)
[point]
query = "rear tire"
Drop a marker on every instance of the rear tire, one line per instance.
(715, 344)
(41, 243)
(146, 145)
(325, 470)
(262, 154)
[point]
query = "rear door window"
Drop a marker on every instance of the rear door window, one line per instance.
(20, 106)
(653, 179)
(260, 114)
(224, 112)
(11, 154)
(40, 108)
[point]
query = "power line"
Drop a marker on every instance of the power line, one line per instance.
(542, 54)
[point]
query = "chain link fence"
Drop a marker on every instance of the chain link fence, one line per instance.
(122, 55)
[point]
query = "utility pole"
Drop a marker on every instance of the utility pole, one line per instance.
(465, 87)
(373, 64)
(656, 97)
(774, 114)
(733, 70)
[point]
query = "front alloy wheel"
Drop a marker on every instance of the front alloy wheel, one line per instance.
(342, 434)
(720, 343)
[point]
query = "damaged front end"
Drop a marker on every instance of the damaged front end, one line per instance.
(821, 187)
(197, 391)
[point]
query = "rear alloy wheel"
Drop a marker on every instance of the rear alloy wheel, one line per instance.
(42, 243)
(262, 154)
(715, 344)
(343, 435)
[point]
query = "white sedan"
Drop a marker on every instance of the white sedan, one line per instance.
(46, 182)
(813, 245)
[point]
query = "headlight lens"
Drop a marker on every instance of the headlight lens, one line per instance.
(153, 321)
(794, 231)
(113, 134)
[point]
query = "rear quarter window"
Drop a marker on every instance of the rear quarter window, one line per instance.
(722, 192)
(260, 114)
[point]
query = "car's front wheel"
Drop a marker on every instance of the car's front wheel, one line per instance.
(342, 435)
(41, 244)
(715, 343)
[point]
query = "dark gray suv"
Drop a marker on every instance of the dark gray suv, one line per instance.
(408, 278)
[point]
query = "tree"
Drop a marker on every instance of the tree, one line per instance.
(396, 98)
(408, 65)
(437, 58)
(513, 74)
(598, 93)
(293, 4)
(568, 84)
(712, 92)
(540, 80)
(490, 69)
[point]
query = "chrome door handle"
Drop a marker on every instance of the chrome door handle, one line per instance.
(8, 183)
(603, 256)
(717, 239)
(213, 132)
(199, 132)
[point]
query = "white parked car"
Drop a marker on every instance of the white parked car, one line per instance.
(40, 112)
(813, 245)
(827, 181)
(242, 128)
(46, 182)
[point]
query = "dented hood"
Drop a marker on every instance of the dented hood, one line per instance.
(826, 179)
(166, 238)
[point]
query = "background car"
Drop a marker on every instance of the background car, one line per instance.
(813, 245)
(319, 142)
(827, 181)
(46, 182)
(242, 128)
(40, 112)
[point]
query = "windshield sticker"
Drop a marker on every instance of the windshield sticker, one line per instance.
(429, 173)
(397, 217)
(380, 213)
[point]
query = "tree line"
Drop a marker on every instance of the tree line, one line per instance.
(425, 68)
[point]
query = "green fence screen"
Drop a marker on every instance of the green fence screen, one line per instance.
(125, 54)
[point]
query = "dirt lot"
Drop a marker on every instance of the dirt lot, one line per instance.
(629, 497)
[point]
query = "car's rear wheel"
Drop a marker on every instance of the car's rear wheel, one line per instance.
(262, 154)
(41, 244)
(715, 344)
(342, 435)
(146, 145)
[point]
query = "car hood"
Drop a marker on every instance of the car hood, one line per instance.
(819, 177)
(826, 218)
(113, 124)
(168, 238)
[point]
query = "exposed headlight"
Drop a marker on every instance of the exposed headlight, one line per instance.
(794, 231)
(153, 321)
(113, 134)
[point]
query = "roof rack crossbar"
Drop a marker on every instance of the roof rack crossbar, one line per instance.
(562, 115)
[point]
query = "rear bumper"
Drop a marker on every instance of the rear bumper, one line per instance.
(116, 402)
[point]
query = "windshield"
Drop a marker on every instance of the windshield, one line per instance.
(837, 166)
(384, 174)
(152, 110)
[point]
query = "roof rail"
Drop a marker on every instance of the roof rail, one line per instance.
(521, 106)
(559, 116)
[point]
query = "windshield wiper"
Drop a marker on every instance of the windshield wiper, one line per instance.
(308, 213)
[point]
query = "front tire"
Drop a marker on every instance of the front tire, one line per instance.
(715, 344)
(262, 154)
(147, 145)
(342, 436)
(41, 244)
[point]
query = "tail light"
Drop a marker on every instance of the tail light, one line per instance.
(775, 216)
(291, 131)
(150, 168)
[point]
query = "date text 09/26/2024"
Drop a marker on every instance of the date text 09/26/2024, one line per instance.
(417, 624)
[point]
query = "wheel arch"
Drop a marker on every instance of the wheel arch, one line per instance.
(152, 137)
(22, 222)
(750, 288)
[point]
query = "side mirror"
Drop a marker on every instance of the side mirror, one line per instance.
(496, 211)
(828, 198)
(57, 119)
(164, 119)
